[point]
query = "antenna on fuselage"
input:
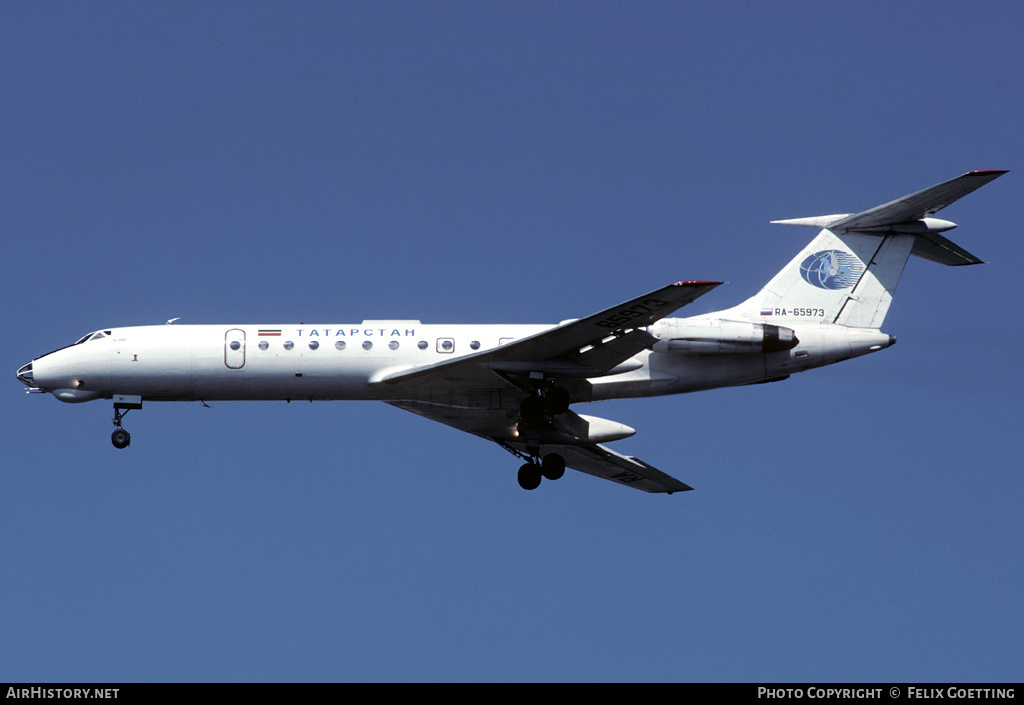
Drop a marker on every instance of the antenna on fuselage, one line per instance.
(173, 320)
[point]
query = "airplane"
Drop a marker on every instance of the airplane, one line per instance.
(516, 385)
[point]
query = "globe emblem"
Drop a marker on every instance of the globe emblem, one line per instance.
(831, 269)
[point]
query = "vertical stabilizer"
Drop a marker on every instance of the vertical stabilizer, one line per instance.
(845, 278)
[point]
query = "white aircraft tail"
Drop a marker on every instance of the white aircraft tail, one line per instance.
(848, 274)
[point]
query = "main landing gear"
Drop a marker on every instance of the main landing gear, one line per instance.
(536, 410)
(551, 467)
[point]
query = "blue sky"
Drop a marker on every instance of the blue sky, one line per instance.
(506, 162)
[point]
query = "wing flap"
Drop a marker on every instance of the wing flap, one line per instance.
(613, 351)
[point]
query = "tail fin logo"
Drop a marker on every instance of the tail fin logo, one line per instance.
(831, 269)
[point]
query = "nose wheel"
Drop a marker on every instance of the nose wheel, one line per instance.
(120, 438)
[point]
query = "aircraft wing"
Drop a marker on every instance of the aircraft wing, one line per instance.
(590, 458)
(587, 347)
(481, 393)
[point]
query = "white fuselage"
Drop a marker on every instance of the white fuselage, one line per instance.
(320, 362)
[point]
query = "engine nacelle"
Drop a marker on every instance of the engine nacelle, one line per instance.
(715, 337)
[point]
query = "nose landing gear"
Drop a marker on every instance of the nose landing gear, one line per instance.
(122, 405)
(120, 438)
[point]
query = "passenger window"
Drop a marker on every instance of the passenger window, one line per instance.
(264, 345)
(313, 345)
(367, 345)
(288, 345)
(445, 345)
(340, 345)
(422, 345)
(393, 345)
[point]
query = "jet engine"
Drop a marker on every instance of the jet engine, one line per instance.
(716, 337)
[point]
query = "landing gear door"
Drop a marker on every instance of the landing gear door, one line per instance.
(234, 348)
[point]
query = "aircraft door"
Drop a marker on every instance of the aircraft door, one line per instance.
(234, 348)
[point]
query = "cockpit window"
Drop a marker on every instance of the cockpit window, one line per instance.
(92, 336)
(95, 335)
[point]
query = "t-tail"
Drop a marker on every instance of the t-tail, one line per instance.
(848, 274)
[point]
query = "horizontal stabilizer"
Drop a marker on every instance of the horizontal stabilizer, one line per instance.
(935, 248)
(911, 215)
(916, 206)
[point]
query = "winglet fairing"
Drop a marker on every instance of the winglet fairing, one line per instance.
(515, 384)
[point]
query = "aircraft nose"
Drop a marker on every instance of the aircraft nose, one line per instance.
(25, 374)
